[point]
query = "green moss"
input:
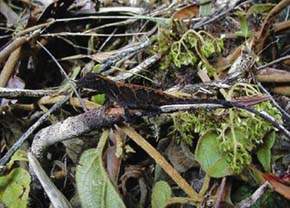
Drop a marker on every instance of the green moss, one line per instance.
(186, 124)
(181, 47)
(239, 132)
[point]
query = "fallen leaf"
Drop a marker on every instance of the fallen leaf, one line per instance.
(187, 12)
(277, 185)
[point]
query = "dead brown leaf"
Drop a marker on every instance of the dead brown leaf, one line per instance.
(187, 12)
(277, 185)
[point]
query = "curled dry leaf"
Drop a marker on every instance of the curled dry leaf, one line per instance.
(187, 12)
(181, 157)
(113, 160)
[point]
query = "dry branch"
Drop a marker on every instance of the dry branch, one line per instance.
(250, 201)
(75, 126)
(16, 93)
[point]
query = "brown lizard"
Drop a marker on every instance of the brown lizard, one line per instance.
(134, 96)
(131, 96)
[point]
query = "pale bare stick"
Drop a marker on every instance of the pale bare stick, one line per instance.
(16, 93)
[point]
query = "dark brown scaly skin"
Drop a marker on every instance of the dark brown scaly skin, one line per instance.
(127, 95)
(134, 96)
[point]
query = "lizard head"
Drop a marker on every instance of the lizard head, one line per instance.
(94, 81)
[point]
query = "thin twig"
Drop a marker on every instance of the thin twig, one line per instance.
(274, 62)
(141, 67)
(107, 40)
(274, 101)
(75, 46)
(15, 44)
(90, 34)
(263, 115)
(156, 19)
(114, 24)
(35, 27)
(16, 93)
(205, 185)
(20, 141)
(215, 17)
(65, 75)
(250, 201)
(160, 160)
(11, 47)
(111, 61)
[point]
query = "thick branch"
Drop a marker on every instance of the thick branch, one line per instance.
(75, 126)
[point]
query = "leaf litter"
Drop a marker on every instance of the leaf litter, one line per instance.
(89, 149)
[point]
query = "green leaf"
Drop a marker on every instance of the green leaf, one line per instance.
(99, 99)
(94, 186)
(19, 155)
(160, 194)
(260, 9)
(208, 155)
(97, 68)
(244, 26)
(205, 7)
(14, 188)
(264, 152)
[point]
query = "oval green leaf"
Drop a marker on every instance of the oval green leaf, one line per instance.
(160, 194)
(264, 152)
(14, 188)
(209, 157)
(94, 186)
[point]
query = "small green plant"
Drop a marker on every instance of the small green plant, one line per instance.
(238, 132)
(186, 124)
(245, 30)
(187, 48)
